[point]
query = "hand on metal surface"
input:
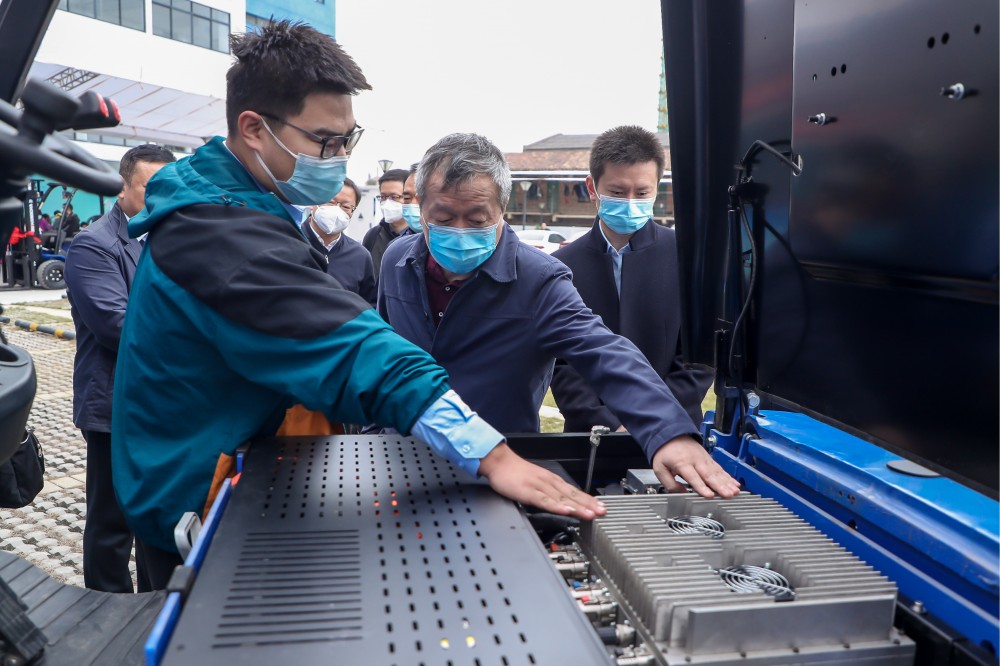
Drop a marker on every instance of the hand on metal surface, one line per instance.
(515, 478)
(686, 458)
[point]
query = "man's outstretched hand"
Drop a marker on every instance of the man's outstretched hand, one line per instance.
(515, 478)
(686, 458)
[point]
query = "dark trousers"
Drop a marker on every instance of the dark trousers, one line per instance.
(107, 539)
(154, 566)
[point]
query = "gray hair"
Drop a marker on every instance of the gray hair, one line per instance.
(462, 157)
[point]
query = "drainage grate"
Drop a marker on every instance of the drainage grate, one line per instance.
(747, 579)
(373, 550)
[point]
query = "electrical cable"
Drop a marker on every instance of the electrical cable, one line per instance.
(794, 162)
(750, 288)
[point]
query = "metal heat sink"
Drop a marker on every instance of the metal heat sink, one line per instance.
(701, 580)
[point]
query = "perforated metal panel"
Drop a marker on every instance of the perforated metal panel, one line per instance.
(372, 550)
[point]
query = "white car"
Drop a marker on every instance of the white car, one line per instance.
(548, 240)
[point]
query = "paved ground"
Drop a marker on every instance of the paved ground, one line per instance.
(49, 532)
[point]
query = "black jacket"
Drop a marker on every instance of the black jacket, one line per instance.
(648, 314)
(377, 239)
(70, 224)
(348, 262)
(100, 265)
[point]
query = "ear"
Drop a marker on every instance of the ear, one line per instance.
(592, 188)
(251, 130)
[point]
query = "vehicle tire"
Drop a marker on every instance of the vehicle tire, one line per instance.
(50, 274)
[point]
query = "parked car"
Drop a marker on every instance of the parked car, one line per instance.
(572, 237)
(543, 239)
(549, 240)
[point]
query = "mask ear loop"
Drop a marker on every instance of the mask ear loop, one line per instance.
(275, 137)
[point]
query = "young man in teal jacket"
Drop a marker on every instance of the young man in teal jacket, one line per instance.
(233, 317)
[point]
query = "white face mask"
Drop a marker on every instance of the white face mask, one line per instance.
(331, 219)
(392, 211)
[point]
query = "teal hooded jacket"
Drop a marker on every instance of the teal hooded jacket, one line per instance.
(232, 318)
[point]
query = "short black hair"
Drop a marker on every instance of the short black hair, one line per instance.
(357, 191)
(280, 65)
(147, 152)
(626, 144)
(394, 176)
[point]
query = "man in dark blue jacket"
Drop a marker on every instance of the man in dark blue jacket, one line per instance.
(495, 313)
(346, 259)
(626, 272)
(100, 265)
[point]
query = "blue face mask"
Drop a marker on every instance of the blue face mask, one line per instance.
(411, 213)
(625, 216)
(314, 181)
(461, 251)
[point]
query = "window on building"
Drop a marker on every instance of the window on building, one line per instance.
(191, 23)
(254, 21)
(127, 13)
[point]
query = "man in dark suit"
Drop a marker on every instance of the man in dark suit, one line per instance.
(346, 259)
(99, 269)
(626, 271)
(393, 224)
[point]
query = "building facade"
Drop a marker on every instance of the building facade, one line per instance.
(320, 14)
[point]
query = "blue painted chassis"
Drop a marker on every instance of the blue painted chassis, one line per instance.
(166, 621)
(936, 539)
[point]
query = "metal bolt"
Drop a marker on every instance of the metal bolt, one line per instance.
(956, 91)
(712, 442)
(918, 608)
(819, 119)
(753, 400)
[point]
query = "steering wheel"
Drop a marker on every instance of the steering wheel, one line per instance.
(33, 147)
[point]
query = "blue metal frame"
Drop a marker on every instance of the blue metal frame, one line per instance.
(938, 540)
(166, 621)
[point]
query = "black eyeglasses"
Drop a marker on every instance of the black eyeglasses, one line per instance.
(347, 208)
(329, 145)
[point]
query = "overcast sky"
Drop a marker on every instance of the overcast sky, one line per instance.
(515, 71)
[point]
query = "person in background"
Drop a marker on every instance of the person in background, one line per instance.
(496, 313)
(70, 222)
(346, 259)
(44, 222)
(626, 272)
(100, 265)
(411, 204)
(392, 225)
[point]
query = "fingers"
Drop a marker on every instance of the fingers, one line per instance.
(573, 501)
(525, 482)
(720, 481)
(666, 477)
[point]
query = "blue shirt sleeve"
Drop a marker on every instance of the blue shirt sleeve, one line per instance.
(456, 432)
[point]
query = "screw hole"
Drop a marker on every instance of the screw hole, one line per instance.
(833, 71)
(843, 69)
(977, 29)
(814, 77)
(930, 42)
(945, 37)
